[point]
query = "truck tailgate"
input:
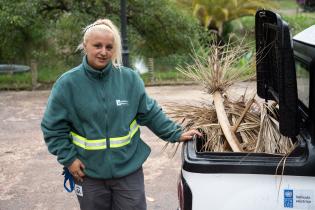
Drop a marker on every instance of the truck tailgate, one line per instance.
(250, 191)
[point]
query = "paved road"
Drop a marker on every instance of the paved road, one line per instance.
(30, 178)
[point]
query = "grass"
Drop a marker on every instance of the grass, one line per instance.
(50, 74)
(287, 4)
(47, 76)
(300, 21)
(17, 81)
(23, 81)
(164, 77)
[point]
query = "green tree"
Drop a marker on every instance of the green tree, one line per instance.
(156, 28)
(50, 28)
(162, 28)
(21, 31)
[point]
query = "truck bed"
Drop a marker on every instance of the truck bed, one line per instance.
(299, 163)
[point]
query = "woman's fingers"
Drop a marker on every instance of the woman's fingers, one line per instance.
(188, 135)
(76, 169)
(80, 173)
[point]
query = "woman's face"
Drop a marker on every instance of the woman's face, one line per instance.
(99, 48)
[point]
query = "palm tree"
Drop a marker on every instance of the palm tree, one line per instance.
(213, 14)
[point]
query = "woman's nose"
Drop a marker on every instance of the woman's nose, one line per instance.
(104, 51)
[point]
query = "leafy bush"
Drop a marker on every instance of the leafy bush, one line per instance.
(307, 5)
(172, 61)
(299, 22)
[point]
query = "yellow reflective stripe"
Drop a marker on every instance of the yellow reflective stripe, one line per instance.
(78, 144)
(133, 129)
(124, 140)
(119, 141)
(115, 142)
(134, 122)
(88, 144)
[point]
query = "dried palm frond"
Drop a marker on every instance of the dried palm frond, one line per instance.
(239, 126)
(257, 132)
(204, 117)
(216, 70)
(269, 139)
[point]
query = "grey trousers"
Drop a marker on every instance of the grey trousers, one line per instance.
(126, 193)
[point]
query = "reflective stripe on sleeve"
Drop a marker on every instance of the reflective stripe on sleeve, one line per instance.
(99, 144)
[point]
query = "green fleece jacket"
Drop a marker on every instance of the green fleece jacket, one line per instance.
(98, 105)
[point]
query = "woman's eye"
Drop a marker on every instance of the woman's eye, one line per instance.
(109, 47)
(97, 45)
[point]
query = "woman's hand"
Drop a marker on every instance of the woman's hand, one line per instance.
(76, 169)
(188, 135)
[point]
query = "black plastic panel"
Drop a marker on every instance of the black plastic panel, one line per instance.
(187, 195)
(288, 97)
(268, 64)
(275, 68)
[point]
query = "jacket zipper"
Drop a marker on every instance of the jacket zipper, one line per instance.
(108, 153)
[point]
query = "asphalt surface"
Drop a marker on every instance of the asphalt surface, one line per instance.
(30, 177)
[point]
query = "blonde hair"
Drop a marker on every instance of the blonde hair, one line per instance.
(107, 26)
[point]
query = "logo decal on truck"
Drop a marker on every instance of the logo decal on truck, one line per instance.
(298, 199)
(288, 198)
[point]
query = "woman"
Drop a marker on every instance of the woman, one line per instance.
(92, 120)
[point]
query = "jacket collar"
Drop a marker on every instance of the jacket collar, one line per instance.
(97, 74)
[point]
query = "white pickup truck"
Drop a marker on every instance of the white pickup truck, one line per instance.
(248, 181)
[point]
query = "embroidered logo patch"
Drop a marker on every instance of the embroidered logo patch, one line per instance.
(121, 102)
